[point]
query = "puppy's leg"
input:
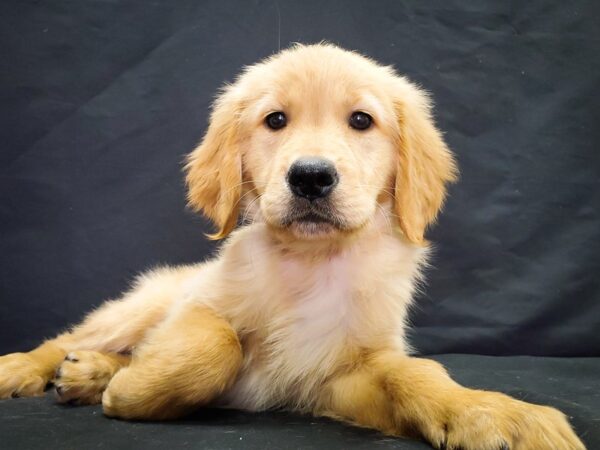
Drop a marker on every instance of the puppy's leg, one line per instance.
(403, 396)
(186, 362)
(358, 397)
(26, 374)
(116, 326)
(84, 375)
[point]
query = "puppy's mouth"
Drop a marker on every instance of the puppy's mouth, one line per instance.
(312, 217)
(312, 221)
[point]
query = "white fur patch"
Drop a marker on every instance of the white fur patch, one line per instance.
(297, 323)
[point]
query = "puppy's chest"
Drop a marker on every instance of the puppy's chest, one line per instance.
(301, 336)
(318, 307)
(315, 315)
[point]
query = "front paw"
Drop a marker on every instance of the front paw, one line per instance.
(478, 420)
(21, 376)
(84, 375)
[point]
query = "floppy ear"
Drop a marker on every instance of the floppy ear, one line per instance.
(214, 168)
(425, 164)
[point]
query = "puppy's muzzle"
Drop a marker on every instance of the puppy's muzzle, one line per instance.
(312, 177)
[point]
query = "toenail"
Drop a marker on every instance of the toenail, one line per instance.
(444, 443)
(15, 395)
(505, 447)
(59, 390)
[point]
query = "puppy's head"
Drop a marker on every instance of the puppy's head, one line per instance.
(319, 142)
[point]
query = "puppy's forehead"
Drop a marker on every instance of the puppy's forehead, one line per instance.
(321, 76)
(298, 75)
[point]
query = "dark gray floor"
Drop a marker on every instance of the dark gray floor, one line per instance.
(571, 384)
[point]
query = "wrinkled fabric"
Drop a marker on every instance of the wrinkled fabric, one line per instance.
(100, 100)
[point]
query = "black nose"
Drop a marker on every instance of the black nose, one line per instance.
(312, 177)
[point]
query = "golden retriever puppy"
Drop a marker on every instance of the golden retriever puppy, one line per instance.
(335, 168)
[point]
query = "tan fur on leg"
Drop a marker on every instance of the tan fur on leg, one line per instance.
(119, 325)
(116, 326)
(26, 374)
(357, 397)
(185, 362)
(399, 395)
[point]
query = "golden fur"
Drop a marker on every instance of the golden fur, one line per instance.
(307, 318)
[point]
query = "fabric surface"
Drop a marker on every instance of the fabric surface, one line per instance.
(100, 100)
(570, 384)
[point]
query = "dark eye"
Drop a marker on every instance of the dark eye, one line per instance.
(360, 120)
(276, 120)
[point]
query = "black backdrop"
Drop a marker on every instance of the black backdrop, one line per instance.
(100, 100)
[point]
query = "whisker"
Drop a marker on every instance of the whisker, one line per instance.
(247, 209)
(385, 216)
(243, 220)
(243, 196)
(238, 185)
